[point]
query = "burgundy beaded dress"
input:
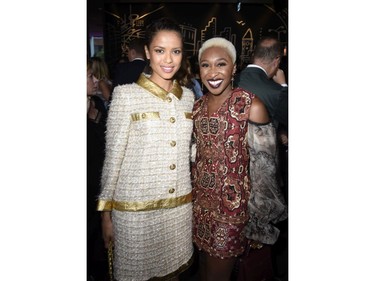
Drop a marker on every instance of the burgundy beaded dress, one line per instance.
(221, 184)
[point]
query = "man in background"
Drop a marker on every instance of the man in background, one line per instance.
(264, 78)
(128, 72)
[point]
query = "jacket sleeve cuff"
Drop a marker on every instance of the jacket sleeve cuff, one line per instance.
(104, 205)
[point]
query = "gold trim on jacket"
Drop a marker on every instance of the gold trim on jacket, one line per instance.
(145, 116)
(104, 205)
(156, 90)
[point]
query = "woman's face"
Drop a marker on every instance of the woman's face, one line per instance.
(165, 55)
(216, 70)
(91, 87)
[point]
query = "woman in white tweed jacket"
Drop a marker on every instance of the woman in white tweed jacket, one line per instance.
(146, 183)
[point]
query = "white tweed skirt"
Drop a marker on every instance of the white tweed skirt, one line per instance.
(153, 243)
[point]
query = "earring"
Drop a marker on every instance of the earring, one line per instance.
(232, 82)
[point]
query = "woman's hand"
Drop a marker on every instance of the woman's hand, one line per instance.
(107, 228)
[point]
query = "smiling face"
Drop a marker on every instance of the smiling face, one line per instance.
(216, 70)
(165, 55)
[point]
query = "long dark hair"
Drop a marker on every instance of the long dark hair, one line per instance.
(183, 74)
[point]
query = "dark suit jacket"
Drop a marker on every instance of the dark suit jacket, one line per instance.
(273, 95)
(128, 72)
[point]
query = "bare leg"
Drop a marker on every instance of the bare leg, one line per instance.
(202, 266)
(216, 269)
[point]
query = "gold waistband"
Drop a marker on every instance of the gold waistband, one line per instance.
(144, 206)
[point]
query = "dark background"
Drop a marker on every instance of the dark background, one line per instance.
(117, 22)
(111, 24)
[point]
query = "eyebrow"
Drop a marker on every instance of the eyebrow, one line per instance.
(157, 46)
(219, 59)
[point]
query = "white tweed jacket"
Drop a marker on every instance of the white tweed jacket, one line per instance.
(148, 142)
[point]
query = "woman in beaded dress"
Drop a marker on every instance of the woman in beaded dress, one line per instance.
(146, 183)
(221, 183)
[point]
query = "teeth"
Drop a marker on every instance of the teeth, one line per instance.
(215, 83)
(167, 69)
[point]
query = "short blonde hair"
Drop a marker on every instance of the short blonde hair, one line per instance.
(218, 42)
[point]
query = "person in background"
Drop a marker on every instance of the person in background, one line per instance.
(266, 80)
(195, 79)
(91, 87)
(95, 131)
(101, 77)
(267, 204)
(146, 199)
(221, 183)
(128, 72)
(96, 120)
